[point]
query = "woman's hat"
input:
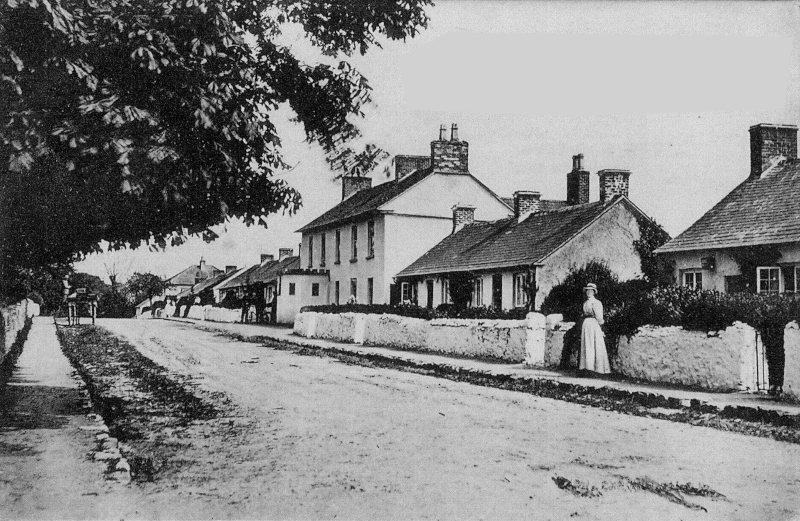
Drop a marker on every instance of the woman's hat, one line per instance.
(591, 286)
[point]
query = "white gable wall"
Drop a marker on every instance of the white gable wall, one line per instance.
(438, 193)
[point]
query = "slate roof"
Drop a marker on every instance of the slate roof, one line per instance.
(262, 272)
(202, 286)
(507, 243)
(545, 204)
(187, 276)
(366, 201)
(243, 278)
(763, 210)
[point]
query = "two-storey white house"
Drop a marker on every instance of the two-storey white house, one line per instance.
(374, 232)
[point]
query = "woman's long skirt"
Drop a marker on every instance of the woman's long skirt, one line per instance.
(594, 356)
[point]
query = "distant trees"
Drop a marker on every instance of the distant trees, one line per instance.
(145, 286)
(148, 120)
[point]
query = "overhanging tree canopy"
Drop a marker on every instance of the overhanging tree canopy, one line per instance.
(137, 120)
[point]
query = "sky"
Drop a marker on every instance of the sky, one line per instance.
(666, 90)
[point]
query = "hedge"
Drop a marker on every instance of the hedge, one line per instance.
(443, 311)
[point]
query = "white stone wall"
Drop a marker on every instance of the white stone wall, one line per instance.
(503, 339)
(791, 369)
(395, 331)
(13, 318)
(215, 314)
(716, 361)
(197, 312)
(555, 331)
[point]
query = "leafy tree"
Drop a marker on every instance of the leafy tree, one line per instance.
(653, 236)
(143, 121)
(92, 283)
(145, 286)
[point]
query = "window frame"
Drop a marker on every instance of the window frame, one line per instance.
(315, 289)
(354, 243)
(768, 280)
(336, 292)
(371, 239)
(405, 292)
(322, 250)
(477, 291)
(354, 288)
(520, 296)
(370, 290)
(338, 253)
(695, 273)
(445, 291)
(292, 288)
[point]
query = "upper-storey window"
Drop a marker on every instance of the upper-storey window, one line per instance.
(310, 251)
(370, 239)
(337, 257)
(354, 242)
(322, 250)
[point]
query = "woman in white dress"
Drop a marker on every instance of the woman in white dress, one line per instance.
(593, 347)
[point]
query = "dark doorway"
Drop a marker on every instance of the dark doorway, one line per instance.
(429, 301)
(497, 291)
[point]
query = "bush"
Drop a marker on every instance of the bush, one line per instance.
(412, 311)
(115, 305)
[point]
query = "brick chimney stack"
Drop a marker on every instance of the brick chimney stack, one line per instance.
(404, 165)
(284, 253)
(266, 257)
(577, 182)
(526, 203)
(353, 183)
(768, 142)
(450, 157)
(613, 182)
(462, 216)
(230, 269)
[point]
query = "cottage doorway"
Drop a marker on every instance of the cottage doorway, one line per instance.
(497, 291)
(429, 297)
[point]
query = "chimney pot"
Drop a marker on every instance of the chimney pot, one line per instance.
(450, 157)
(577, 182)
(768, 141)
(525, 203)
(442, 131)
(454, 132)
(462, 216)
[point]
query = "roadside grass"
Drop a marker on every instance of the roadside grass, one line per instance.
(154, 413)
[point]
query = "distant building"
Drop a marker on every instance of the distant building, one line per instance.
(534, 248)
(190, 276)
(756, 226)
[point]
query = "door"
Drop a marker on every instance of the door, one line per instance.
(497, 291)
(429, 298)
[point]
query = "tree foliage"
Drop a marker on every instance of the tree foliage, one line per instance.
(143, 286)
(143, 121)
(652, 236)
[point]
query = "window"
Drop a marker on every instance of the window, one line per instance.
(310, 251)
(336, 291)
(769, 279)
(354, 289)
(520, 295)
(790, 282)
(445, 291)
(338, 254)
(405, 292)
(693, 279)
(322, 250)
(370, 239)
(478, 292)
(354, 243)
(315, 289)
(291, 288)
(370, 289)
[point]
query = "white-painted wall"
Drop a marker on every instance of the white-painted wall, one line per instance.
(610, 239)
(289, 305)
(791, 367)
(725, 265)
(720, 361)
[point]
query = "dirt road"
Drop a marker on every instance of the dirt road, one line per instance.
(346, 441)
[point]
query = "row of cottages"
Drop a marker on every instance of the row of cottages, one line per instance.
(750, 240)
(190, 276)
(404, 239)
